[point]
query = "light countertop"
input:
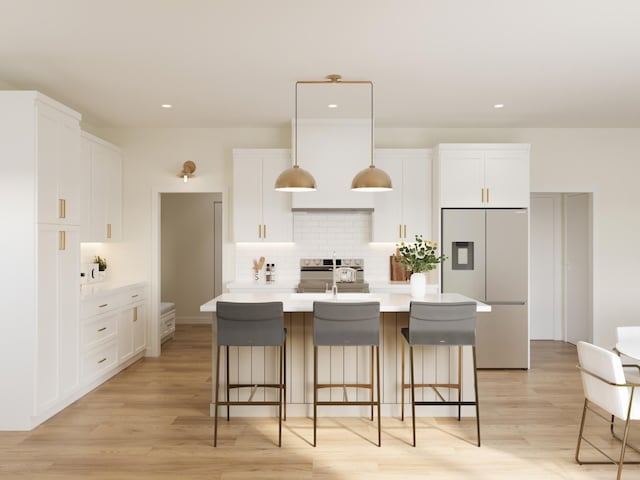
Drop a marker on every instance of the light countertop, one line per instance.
(98, 289)
(303, 302)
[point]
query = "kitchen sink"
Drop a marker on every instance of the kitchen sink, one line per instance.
(341, 297)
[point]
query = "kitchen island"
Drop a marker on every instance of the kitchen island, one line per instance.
(339, 364)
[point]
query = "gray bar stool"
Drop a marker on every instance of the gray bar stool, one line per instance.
(250, 324)
(440, 324)
(347, 324)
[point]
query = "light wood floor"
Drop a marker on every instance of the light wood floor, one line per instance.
(152, 422)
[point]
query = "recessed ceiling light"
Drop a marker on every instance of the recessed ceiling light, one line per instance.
(166, 105)
(499, 105)
(332, 105)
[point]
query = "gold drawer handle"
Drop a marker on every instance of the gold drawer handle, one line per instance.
(62, 208)
(135, 314)
(103, 305)
(134, 296)
(104, 359)
(102, 329)
(108, 230)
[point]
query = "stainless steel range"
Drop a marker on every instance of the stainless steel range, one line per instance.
(317, 275)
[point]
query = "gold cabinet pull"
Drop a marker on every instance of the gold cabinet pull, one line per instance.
(62, 240)
(62, 208)
(264, 230)
(482, 194)
(108, 230)
(103, 305)
(400, 230)
(405, 230)
(134, 296)
(103, 359)
(259, 231)
(102, 329)
(135, 314)
(487, 195)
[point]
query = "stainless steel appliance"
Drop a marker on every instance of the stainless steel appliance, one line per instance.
(317, 275)
(488, 252)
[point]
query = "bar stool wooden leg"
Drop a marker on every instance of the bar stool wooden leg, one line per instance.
(378, 388)
(371, 382)
(459, 379)
(283, 383)
(315, 392)
(215, 402)
(475, 381)
(280, 397)
(228, 387)
(413, 396)
(402, 384)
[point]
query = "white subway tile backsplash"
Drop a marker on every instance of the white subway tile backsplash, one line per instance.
(318, 235)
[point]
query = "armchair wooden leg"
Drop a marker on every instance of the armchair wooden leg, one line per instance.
(372, 382)
(228, 388)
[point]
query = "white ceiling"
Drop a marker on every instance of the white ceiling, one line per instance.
(234, 63)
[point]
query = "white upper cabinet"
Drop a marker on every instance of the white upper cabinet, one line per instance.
(260, 214)
(101, 190)
(405, 211)
(483, 175)
(333, 151)
(58, 162)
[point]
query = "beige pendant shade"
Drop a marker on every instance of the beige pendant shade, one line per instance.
(371, 179)
(295, 179)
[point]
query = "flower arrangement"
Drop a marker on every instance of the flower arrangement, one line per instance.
(419, 256)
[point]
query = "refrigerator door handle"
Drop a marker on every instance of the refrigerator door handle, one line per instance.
(488, 302)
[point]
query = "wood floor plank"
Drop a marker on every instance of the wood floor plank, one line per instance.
(152, 422)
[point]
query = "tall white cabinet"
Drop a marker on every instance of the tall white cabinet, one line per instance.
(260, 214)
(40, 211)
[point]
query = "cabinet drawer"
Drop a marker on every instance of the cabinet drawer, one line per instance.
(99, 360)
(99, 329)
(94, 306)
(133, 295)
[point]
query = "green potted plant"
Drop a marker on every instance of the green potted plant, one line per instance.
(102, 264)
(419, 257)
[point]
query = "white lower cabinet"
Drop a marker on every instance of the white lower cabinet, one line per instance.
(113, 330)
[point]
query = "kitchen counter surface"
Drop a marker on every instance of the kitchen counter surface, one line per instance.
(303, 302)
(93, 290)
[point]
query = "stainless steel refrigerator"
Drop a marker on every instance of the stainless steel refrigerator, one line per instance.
(488, 259)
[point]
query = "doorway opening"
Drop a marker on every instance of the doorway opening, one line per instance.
(187, 256)
(561, 259)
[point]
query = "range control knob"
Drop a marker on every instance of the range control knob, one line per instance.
(306, 261)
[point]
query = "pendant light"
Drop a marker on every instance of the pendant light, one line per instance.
(295, 179)
(371, 179)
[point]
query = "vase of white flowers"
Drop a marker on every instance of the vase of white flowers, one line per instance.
(419, 257)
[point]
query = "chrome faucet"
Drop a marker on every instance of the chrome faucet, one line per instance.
(334, 287)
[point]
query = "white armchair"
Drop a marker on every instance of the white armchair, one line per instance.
(605, 386)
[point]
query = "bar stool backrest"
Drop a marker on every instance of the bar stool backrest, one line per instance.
(442, 323)
(244, 324)
(346, 323)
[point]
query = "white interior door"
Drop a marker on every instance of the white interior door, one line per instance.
(546, 266)
(578, 267)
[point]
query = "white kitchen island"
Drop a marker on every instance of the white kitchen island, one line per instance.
(339, 364)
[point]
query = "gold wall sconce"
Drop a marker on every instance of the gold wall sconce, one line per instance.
(188, 168)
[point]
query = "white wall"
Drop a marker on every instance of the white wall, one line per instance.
(603, 161)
